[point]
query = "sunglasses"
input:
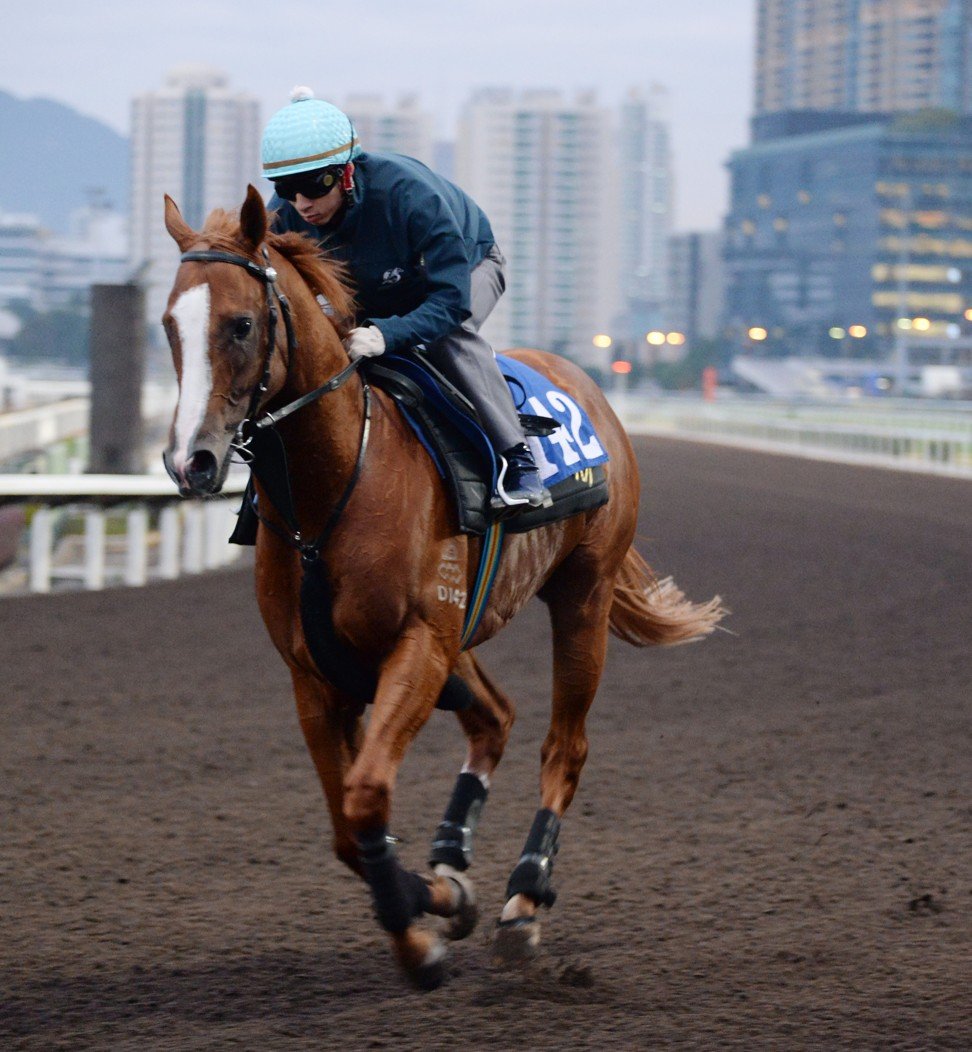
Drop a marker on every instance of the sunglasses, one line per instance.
(309, 184)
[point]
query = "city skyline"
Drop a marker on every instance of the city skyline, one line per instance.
(442, 56)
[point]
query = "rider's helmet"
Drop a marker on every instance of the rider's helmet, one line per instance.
(308, 134)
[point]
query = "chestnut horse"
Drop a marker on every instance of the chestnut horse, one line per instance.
(361, 475)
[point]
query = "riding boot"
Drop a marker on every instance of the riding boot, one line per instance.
(519, 481)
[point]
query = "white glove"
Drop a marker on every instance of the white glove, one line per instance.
(366, 342)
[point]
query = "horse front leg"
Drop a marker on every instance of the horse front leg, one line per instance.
(579, 618)
(332, 730)
(486, 724)
(408, 687)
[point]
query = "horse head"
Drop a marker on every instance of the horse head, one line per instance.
(217, 323)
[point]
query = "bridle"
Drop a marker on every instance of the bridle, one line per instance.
(268, 275)
(250, 427)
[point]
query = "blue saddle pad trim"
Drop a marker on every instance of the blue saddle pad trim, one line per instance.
(574, 446)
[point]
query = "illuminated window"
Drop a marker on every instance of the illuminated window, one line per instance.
(893, 217)
(934, 302)
(915, 273)
(932, 220)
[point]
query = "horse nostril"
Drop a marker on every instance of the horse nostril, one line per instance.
(201, 470)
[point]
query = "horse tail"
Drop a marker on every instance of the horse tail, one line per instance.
(649, 612)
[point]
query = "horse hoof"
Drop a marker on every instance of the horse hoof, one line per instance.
(464, 920)
(431, 973)
(422, 955)
(516, 941)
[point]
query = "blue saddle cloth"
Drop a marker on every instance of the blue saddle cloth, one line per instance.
(570, 459)
(571, 448)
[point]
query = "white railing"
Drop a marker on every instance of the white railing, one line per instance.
(27, 430)
(99, 530)
(42, 427)
(917, 437)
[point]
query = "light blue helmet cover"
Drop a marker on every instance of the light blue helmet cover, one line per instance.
(308, 134)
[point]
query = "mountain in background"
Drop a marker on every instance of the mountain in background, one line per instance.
(54, 160)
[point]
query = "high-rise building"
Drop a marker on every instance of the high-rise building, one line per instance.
(853, 240)
(402, 128)
(645, 187)
(543, 169)
(197, 140)
(863, 55)
(46, 270)
(696, 285)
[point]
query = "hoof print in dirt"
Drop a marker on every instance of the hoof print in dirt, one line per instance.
(925, 904)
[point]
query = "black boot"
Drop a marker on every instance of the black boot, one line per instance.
(519, 481)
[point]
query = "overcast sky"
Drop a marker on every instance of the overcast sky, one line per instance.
(701, 50)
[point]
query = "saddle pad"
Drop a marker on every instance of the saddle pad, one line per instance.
(462, 454)
(571, 448)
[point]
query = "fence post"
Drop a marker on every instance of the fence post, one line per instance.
(169, 542)
(41, 541)
(136, 546)
(193, 542)
(94, 549)
(230, 551)
(214, 540)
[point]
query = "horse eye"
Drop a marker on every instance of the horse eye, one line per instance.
(241, 328)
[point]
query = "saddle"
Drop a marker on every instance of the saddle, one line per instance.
(448, 426)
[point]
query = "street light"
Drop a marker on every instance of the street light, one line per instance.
(758, 333)
(602, 340)
(857, 331)
(655, 338)
(676, 339)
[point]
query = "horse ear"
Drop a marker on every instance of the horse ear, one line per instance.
(253, 217)
(182, 233)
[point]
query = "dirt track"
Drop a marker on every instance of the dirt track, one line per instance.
(770, 848)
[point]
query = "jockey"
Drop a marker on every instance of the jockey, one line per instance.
(422, 256)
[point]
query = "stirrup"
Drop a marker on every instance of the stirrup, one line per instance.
(501, 501)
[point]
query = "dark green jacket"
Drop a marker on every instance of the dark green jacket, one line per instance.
(410, 239)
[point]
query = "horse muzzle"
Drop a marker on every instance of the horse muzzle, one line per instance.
(201, 475)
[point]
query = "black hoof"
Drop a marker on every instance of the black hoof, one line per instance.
(462, 923)
(431, 973)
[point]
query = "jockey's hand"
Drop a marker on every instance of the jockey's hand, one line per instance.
(366, 342)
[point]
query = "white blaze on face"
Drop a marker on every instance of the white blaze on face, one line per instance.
(191, 314)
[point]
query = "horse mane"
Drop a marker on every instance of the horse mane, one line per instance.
(324, 276)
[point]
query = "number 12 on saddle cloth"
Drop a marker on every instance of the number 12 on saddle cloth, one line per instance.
(568, 449)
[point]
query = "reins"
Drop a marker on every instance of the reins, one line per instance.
(284, 502)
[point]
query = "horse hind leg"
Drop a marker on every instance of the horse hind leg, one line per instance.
(487, 724)
(579, 617)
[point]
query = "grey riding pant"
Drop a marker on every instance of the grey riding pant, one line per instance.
(466, 359)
